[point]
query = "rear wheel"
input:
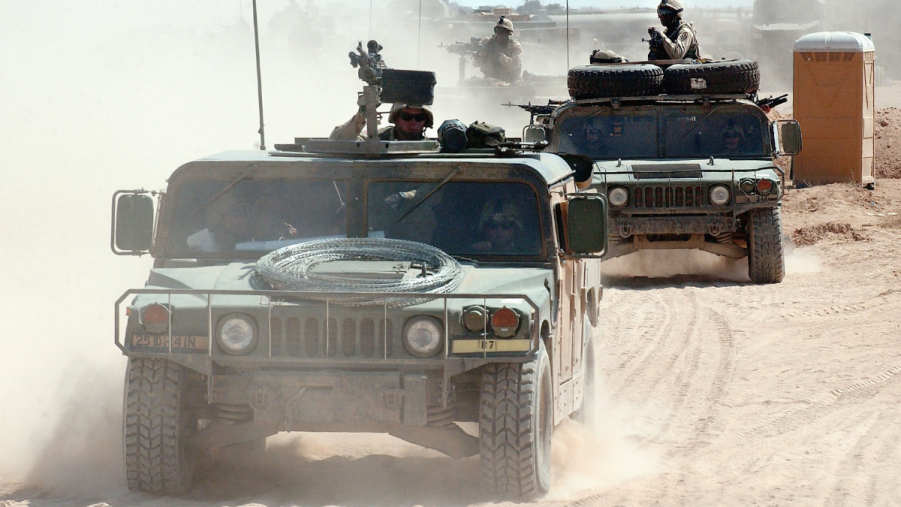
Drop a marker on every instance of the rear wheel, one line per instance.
(515, 426)
(158, 420)
(766, 255)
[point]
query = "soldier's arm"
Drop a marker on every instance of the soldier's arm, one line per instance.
(677, 50)
(514, 61)
(350, 130)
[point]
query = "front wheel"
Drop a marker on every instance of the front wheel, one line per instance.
(157, 422)
(766, 255)
(515, 425)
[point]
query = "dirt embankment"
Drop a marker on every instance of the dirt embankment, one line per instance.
(888, 143)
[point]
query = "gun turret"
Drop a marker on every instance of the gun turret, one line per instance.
(370, 62)
(473, 47)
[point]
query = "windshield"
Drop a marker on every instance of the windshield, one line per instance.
(461, 218)
(255, 216)
(609, 136)
(719, 133)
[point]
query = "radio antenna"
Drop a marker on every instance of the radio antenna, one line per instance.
(567, 35)
(419, 37)
(256, 41)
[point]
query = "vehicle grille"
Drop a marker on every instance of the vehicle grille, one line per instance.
(357, 338)
(667, 196)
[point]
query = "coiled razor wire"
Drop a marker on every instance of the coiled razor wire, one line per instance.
(291, 268)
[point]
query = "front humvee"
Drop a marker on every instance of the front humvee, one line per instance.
(225, 350)
(685, 172)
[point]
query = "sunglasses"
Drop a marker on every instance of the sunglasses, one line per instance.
(420, 117)
(501, 225)
(731, 136)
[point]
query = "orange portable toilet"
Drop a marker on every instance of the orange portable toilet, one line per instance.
(833, 101)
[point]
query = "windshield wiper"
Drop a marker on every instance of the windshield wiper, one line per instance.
(226, 189)
(445, 180)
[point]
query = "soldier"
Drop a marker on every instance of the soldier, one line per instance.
(409, 124)
(501, 57)
(679, 41)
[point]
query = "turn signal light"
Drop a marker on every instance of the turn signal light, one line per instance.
(155, 318)
(504, 322)
(764, 186)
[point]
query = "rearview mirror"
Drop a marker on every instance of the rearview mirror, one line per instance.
(132, 223)
(787, 137)
(586, 225)
(533, 134)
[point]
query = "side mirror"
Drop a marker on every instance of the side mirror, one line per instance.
(132, 227)
(586, 226)
(787, 137)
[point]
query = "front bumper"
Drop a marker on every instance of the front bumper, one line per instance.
(626, 226)
(293, 401)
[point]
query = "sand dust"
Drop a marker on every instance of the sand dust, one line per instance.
(714, 391)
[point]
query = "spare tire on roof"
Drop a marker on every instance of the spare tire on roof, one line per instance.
(602, 81)
(724, 77)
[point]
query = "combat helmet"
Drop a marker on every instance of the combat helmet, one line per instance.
(505, 24)
(398, 106)
(670, 6)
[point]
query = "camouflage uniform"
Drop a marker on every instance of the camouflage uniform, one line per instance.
(680, 41)
(501, 58)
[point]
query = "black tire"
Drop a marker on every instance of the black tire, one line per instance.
(766, 254)
(601, 81)
(157, 422)
(587, 413)
(516, 421)
(736, 76)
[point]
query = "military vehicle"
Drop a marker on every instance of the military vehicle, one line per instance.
(360, 286)
(689, 168)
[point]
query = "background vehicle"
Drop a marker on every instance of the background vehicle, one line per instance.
(224, 350)
(682, 170)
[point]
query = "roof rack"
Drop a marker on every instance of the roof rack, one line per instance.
(664, 98)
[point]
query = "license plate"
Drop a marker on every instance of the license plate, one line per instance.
(476, 346)
(178, 342)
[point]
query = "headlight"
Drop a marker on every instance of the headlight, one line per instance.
(236, 334)
(422, 336)
(474, 319)
(618, 197)
(719, 195)
(155, 318)
(504, 322)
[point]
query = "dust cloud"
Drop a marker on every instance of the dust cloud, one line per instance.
(101, 96)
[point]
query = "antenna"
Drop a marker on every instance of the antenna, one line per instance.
(256, 41)
(567, 35)
(419, 37)
(370, 19)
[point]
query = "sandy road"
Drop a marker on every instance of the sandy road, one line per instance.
(714, 392)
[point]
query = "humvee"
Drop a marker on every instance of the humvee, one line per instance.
(224, 350)
(685, 171)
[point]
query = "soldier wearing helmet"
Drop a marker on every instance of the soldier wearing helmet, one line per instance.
(500, 227)
(409, 122)
(679, 40)
(501, 56)
(733, 139)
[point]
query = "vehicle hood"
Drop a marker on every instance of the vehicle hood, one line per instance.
(531, 282)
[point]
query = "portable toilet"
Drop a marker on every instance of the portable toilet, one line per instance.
(834, 85)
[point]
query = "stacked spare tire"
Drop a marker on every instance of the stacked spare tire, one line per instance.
(724, 77)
